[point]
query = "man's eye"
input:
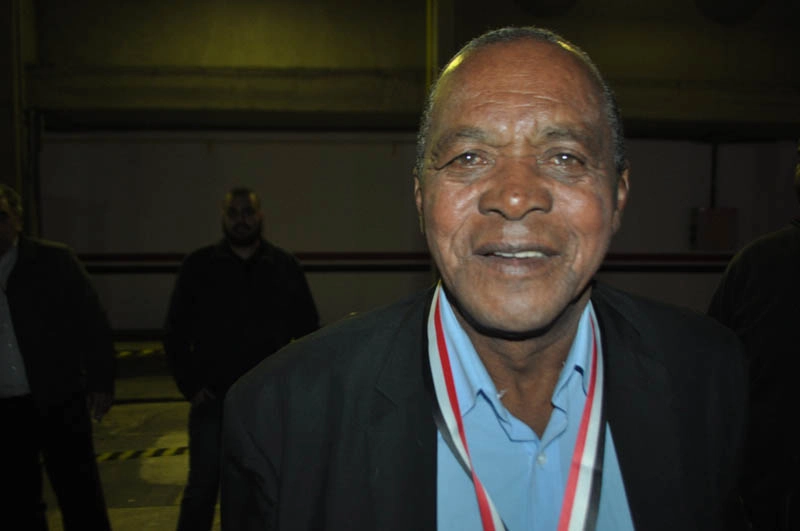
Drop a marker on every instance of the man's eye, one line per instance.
(467, 159)
(566, 159)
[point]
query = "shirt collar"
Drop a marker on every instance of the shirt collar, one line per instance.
(471, 377)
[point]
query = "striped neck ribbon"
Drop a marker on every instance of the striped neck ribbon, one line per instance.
(582, 495)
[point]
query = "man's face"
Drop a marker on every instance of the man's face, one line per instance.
(241, 220)
(518, 198)
(10, 225)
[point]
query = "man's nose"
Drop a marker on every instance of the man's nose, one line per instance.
(516, 188)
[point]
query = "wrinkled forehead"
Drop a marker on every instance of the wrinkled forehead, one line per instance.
(527, 66)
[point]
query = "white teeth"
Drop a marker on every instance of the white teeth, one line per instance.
(522, 254)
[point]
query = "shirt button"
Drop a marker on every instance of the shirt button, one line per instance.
(541, 459)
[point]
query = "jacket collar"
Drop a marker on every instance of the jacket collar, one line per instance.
(402, 434)
(639, 412)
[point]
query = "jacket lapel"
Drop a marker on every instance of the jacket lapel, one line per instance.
(642, 420)
(402, 434)
(25, 254)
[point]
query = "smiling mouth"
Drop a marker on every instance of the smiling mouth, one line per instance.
(519, 254)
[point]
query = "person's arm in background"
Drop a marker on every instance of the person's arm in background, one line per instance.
(304, 318)
(178, 335)
(93, 334)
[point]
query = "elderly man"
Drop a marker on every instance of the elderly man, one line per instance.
(56, 357)
(516, 393)
(235, 303)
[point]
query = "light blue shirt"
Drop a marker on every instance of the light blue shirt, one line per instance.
(524, 475)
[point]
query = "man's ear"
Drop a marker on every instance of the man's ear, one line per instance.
(622, 189)
(418, 201)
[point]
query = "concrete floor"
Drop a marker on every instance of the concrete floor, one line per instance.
(141, 446)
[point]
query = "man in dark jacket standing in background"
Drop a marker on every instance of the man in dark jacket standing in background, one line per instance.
(234, 303)
(56, 354)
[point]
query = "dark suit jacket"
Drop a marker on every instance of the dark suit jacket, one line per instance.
(61, 328)
(336, 432)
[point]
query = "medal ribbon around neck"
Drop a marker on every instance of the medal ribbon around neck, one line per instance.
(582, 495)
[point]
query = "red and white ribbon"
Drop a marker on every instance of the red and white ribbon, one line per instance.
(582, 495)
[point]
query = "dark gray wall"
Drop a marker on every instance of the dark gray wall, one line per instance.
(156, 192)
